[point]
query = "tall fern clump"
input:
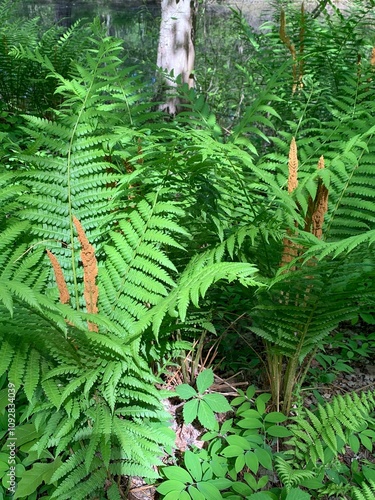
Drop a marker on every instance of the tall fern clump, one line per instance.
(327, 259)
(86, 271)
(303, 213)
(88, 387)
(115, 223)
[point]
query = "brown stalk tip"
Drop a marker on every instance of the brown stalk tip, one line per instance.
(293, 166)
(60, 280)
(282, 30)
(372, 59)
(321, 205)
(320, 211)
(90, 272)
(321, 163)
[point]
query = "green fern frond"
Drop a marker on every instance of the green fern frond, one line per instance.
(341, 418)
(321, 249)
(22, 41)
(6, 355)
(8, 260)
(102, 421)
(20, 366)
(137, 271)
(54, 420)
(52, 391)
(365, 492)
(202, 272)
(78, 482)
(288, 475)
(69, 465)
(79, 178)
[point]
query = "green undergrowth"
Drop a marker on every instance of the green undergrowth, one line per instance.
(257, 453)
(126, 235)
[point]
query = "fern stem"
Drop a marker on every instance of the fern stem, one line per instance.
(303, 373)
(182, 358)
(289, 382)
(300, 121)
(274, 369)
(198, 354)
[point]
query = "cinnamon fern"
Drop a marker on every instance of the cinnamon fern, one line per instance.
(116, 223)
(86, 270)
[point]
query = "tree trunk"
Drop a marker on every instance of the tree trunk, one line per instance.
(176, 48)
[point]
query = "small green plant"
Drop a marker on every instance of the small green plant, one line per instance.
(354, 346)
(244, 457)
(237, 457)
(192, 481)
(345, 348)
(202, 404)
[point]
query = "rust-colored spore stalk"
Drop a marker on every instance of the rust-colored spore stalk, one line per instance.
(90, 272)
(290, 251)
(60, 280)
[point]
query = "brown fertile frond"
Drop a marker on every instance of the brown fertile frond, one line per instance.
(372, 59)
(320, 211)
(321, 204)
(309, 213)
(290, 46)
(293, 166)
(311, 204)
(283, 35)
(90, 272)
(60, 280)
(291, 250)
(317, 207)
(321, 163)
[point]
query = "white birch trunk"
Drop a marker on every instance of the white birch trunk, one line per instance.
(176, 46)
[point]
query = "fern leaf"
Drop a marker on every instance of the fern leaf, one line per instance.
(17, 368)
(52, 391)
(341, 418)
(198, 276)
(291, 477)
(6, 356)
(32, 373)
(365, 492)
(69, 465)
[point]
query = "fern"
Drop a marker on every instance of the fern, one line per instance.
(137, 271)
(365, 492)
(19, 91)
(203, 271)
(81, 168)
(135, 186)
(289, 476)
(331, 426)
(319, 437)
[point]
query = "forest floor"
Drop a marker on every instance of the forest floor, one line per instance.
(362, 378)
